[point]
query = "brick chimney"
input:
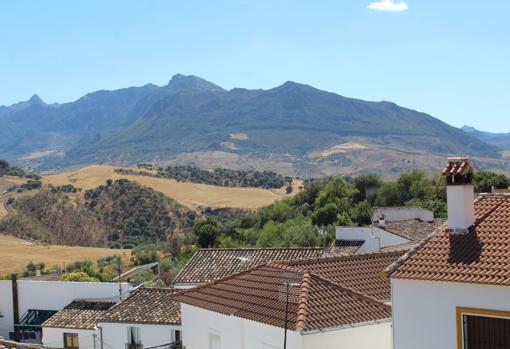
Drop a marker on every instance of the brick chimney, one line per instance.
(460, 194)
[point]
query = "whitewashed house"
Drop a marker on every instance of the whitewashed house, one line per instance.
(453, 291)
(328, 303)
(397, 228)
(147, 318)
(74, 327)
(26, 304)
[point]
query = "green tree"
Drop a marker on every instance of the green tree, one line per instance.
(337, 191)
(326, 215)
(79, 276)
(485, 180)
(208, 232)
(362, 213)
(364, 182)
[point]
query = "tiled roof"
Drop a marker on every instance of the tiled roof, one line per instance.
(78, 315)
(345, 247)
(259, 294)
(361, 272)
(481, 255)
(146, 305)
(413, 229)
(458, 167)
(211, 264)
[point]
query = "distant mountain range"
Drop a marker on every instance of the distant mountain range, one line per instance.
(292, 129)
(500, 140)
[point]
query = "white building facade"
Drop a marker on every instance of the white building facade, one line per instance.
(204, 329)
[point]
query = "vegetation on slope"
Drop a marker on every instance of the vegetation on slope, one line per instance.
(117, 214)
(329, 202)
(226, 177)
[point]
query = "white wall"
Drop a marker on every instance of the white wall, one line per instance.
(54, 338)
(369, 336)
(374, 238)
(393, 214)
(115, 334)
(461, 207)
(424, 312)
(235, 333)
(50, 295)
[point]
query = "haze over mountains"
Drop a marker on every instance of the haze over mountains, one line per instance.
(293, 129)
(500, 140)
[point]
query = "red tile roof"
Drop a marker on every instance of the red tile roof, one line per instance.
(360, 272)
(481, 255)
(211, 264)
(329, 292)
(458, 166)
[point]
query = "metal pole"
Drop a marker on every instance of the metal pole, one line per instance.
(120, 284)
(286, 317)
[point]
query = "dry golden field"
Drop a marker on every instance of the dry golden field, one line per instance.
(189, 194)
(16, 253)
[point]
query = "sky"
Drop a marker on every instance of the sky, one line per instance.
(448, 58)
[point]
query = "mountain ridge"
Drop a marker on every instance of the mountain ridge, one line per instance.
(500, 140)
(190, 117)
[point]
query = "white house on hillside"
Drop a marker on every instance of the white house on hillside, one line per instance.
(401, 228)
(327, 303)
(148, 318)
(453, 291)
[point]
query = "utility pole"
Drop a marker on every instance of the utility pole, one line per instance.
(286, 315)
(119, 270)
(324, 233)
(288, 285)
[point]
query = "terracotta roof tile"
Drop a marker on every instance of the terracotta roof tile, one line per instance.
(79, 315)
(358, 272)
(329, 292)
(146, 305)
(345, 247)
(414, 229)
(480, 256)
(458, 166)
(211, 264)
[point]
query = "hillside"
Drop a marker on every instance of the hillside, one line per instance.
(500, 140)
(293, 129)
(193, 195)
(117, 214)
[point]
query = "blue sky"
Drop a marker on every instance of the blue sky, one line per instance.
(448, 58)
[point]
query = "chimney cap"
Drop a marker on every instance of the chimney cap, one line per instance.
(458, 166)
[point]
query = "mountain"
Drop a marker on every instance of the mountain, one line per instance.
(500, 140)
(292, 128)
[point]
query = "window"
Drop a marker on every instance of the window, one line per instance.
(71, 341)
(176, 336)
(482, 329)
(133, 337)
(214, 341)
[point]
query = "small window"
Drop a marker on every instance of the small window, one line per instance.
(71, 341)
(134, 337)
(214, 341)
(177, 336)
